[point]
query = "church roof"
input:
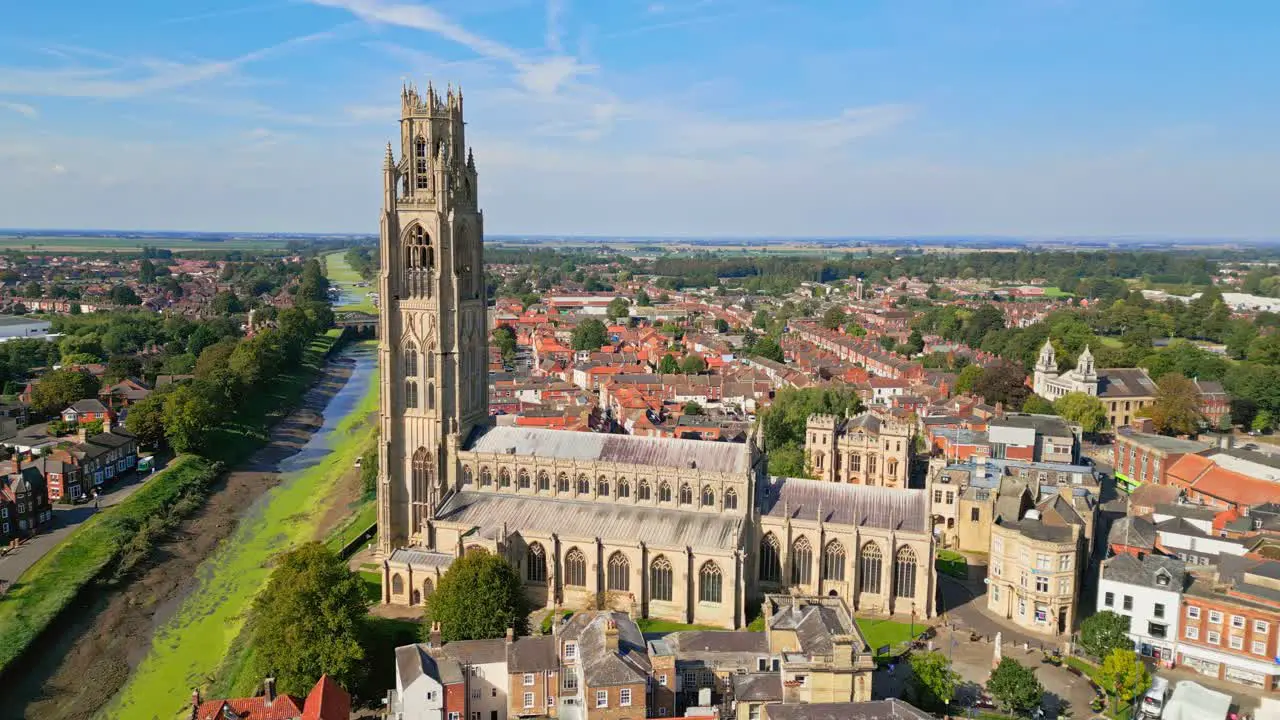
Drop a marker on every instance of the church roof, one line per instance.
(657, 526)
(630, 449)
(1125, 383)
(845, 504)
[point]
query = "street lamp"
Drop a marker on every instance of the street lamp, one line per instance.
(913, 621)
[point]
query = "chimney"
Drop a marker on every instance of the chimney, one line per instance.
(611, 636)
(433, 640)
(195, 702)
(107, 422)
(1000, 410)
(82, 433)
(269, 690)
(511, 634)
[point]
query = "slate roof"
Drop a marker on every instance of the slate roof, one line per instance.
(600, 667)
(88, 406)
(414, 557)
(1120, 383)
(728, 649)
(629, 449)
(657, 526)
(1133, 531)
(757, 687)
(1128, 569)
(1037, 530)
(815, 621)
(532, 654)
(891, 709)
(846, 504)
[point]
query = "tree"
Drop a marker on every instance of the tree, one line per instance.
(479, 597)
(642, 299)
(722, 325)
(146, 420)
(692, 364)
(855, 330)
(590, 334)
(313, 285)
(226, 303)
(1015, 686)
(60, 388)
(189, 415)
(124, 295)
(767, 347)
(761, 320)
(1262, 421)
(967, 378)
(915, 343)
(1123, 675)
(1084, 409)
(784, 423)
(146, 271)
(1176, 410)
(1104, 632)
(618, 308)
(308, 622)
(369, 471)
(1037, 405)
(833, 318)
(692, 408)
(504, 338)
(933, 681)
(886, 341)
(1002, 383)
(668, 365)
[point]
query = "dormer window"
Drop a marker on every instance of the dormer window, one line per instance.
(1162, 579)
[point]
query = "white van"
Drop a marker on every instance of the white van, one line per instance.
(1153, 702)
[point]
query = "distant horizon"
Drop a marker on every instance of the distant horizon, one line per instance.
(620, 237)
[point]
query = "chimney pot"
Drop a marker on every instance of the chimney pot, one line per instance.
(511, 634)
(269, 690)
(434, 637)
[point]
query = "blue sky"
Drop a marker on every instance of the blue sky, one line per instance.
(654, 117)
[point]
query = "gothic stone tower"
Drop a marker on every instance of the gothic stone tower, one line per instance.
(433, 354)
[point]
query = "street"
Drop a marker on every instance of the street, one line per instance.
(65, 519)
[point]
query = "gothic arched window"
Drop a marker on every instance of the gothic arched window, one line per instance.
(410, 394)
(584, 485)
(686, 494)
(801, 562)
(709, 583)
(660, 579)
(421, 472)
(708, 497)
(624, 489)
(642, 490)
(730, 499)
(544, 481)
(522, 479)
(562, 483)
(664, 493)
(833, 561)
(618, 576)
(504, 478)
(431, 396)
(410, 359)
(467, 477)
(575, 568)
(486, 478)
(602, 486)
(904, 573)
(536, 563)
(869, 561)
(770, 565)
(420, 163)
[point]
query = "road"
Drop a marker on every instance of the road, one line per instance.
(65, 519)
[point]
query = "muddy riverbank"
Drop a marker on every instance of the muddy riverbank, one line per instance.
(79, 665)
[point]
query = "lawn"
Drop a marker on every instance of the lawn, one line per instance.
(952, 563)
(1053, 291)
(54, 581)
(1110, 342)
(880, 632)
(341, 274)
(651, 625)
(364, 517)
(193, 643)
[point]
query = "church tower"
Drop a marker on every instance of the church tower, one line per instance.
(433, 348)
(1046, 369)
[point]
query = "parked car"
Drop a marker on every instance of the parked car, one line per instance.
(1153, 702)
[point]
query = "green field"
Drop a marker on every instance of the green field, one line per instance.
(188, 650)
(341, 274)
(880, 632)
(54, 581)
(83, 244)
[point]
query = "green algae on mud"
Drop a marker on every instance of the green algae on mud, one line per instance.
(189, 648)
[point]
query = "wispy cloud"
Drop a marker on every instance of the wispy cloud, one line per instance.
(122, 78)
(555, 12)
(21, 108)
(536, 74)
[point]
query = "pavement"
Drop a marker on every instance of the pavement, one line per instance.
(65, 519)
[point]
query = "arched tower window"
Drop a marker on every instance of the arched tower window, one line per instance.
(904, 573)
(410, 359)
(421, 473)
(660, 579)
(420, 163)
(730, 499)
(709, 581)
(833, 561)
(619, 574)
(770, 565)
(536, 563)
(869, 561)
(575, 568)
(411, 393)
(801, 562)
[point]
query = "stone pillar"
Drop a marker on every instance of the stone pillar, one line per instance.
(740, 617)
(691, 586)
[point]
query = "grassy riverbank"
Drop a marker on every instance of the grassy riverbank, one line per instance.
(340, 273)
(190, 648)
(110, 540)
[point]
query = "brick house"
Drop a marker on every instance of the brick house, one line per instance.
(1230, 622)
(103, 456)
(123, 394)
(1142, 457)
(86, 411)
(65, 481)
(24, 502)
(326, 701)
